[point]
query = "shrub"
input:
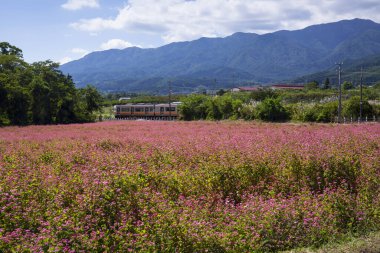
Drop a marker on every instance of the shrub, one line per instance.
(247, 111)
(271, 110)
(351, 108)
(262, 94)
(327, 112)
(194, 107)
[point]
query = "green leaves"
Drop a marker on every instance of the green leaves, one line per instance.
(271, 110)
(40, 93)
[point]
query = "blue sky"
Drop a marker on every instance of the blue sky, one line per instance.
(64, 30)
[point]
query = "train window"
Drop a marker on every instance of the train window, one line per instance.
(139, 109)
(125, 109)
(162, 109)
(168, 109)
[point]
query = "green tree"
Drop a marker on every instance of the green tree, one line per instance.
(326, 84)
(262, 94)
(67, 112)
(214, 109)
(40, 93)
(8, 49)
(271, 110)
(3, 101)
(351, 108)
(194, 107)
(312, 85)
(347, 85)
(14, 78)
(327, 112)
(18, 105)
(93, 98)
(247, 111)
(90, 102)
(40, 101)
(220, 92)
(59, 99)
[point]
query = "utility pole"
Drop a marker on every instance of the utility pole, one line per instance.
(170, 100)
(340, 91)
(214, 87)
(361, 94)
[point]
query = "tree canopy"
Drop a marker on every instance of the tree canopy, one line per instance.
(39, 93)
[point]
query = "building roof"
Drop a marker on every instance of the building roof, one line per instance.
(288, 86)
(247, 88)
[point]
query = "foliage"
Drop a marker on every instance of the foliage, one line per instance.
(231, 187)
(262, 94)
(326, 112)
(318, 105)
(194, 107)
(39, 93)
(220, 92)
(8, 49)
(347, 85)
(306, 96)
(318, 112)
(312, 85)
(351, 108)
(247, 111)
(223, 107)
(271, 110)
(326, 84)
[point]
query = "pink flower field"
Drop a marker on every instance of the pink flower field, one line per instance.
(143, 186)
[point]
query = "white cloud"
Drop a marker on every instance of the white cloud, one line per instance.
(65, 60)
(82, 52)
(176, 20)
(75, 53)
(79, 4)
(116, 44)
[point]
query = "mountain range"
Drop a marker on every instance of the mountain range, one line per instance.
(367, 68)
(236, 60)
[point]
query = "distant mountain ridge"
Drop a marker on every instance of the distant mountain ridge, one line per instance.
(351, 71)
(233, 60)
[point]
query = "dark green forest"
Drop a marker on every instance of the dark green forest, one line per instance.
(39, 93)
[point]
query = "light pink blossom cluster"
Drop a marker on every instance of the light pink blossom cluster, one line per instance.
(142, 186)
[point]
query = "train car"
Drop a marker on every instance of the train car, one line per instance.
(147, 111)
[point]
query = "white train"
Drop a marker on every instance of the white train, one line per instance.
(147, 111)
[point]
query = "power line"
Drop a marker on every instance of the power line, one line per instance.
(340, 90)
(361, 94)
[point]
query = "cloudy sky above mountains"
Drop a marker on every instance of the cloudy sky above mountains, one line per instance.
(64, 30)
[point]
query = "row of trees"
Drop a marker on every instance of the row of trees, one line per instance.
(268, 105)
(327, 85)
(40, 93)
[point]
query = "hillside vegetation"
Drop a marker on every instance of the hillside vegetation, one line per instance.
(236, 59)
(352, 69)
